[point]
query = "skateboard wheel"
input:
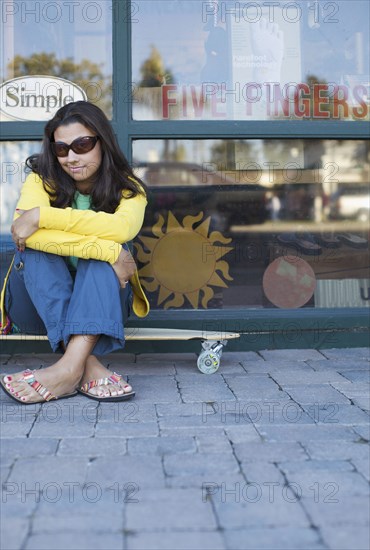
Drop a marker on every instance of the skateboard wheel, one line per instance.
(208, 362)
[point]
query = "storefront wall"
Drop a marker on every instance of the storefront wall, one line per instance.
(249, 121)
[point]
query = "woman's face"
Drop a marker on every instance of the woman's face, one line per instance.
(81, 167)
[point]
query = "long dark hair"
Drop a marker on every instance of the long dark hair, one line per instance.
(114, 174)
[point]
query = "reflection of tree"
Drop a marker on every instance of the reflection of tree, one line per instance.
(153, 71)
(86, 74)
(223, 153)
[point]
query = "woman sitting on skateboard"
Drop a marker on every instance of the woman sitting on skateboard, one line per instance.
(73, 276)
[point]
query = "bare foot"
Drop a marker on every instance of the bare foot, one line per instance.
(94, 370)
(60, 379)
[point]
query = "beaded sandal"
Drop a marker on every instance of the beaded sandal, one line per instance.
(114, 380)
(29, 377)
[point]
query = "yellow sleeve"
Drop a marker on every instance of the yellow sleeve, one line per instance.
(33, 193)
(120, 227)
(64, 243)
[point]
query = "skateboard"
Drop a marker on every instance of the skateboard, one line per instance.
(209, 358)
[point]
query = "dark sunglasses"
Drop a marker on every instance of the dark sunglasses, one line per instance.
(79, 146)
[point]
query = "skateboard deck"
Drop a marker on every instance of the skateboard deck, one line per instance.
(134, 333)
(212, 341)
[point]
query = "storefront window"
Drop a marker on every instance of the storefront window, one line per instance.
(255, 223)
(13, 174)
(216, 60)
(68, 40)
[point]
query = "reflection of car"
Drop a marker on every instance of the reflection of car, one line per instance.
(186, 188)
(350, 202)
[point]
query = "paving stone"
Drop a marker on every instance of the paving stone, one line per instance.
(22, 447)
(253, 507)
(145, 369)
(291, 413)
(276, 365)
(330, 485)
(202, 465)
(362, 466)
(354, 388)
(95, 523)
(346, 538)
(291, 354)
(143, 474)
(121, 358)
(156, 357)
(127, 412)
(170, 510)
(312, 466)
(358, 376)
(14, 429)
(180, 540)
(276, 538)
(188, 458)
(191, 431)
(82, 541)
(213, 443)
(333, 413)
(344, 365)
(4, 358)
(327, 508)
(264, 473)
(161, 445)
(181, 409)
(148, 389)
(92, 447)
(17, 503)
(5, 470)
(211, 388)
(242, 356)
(255, 388)
(201, 482)
(52, 469)
(352, 353)
(362, 402)
(62, 428)
(292, 378)
(85, 500)
(315, 393)
(10, 411)
(305, 432)
(226, 367)
(32, 361)
(269, 451)
(202, 421)
(337, 450)
(13, 533)
(127, 429)
(363, 431)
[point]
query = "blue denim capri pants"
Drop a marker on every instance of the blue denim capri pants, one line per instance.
(44, 297)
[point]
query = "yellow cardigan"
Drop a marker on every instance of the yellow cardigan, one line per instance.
(83, 233)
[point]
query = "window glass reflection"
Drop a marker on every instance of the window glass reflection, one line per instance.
(245, 204)
(251, 61)
(70, 40)
(13, 174)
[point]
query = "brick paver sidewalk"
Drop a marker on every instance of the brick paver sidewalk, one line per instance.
(271, 452)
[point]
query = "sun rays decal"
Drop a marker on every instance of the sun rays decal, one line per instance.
(183, 262)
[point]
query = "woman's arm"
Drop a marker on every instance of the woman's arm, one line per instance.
(120, 227)
(63, 243)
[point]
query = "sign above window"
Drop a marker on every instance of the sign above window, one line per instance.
(36, 97)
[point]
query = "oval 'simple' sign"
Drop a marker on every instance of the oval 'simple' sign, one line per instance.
(36, 97)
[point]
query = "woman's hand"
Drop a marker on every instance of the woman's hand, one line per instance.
(124, 267)
(24, 226)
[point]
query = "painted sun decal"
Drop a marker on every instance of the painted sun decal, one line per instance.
(182, 261)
